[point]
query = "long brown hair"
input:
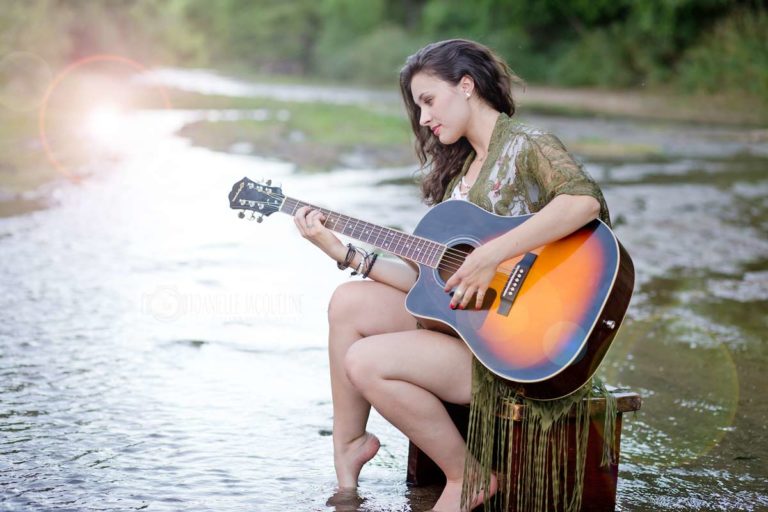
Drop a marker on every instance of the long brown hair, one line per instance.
(450, 61)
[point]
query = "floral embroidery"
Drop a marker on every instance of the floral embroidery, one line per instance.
(496, 188)
(525, 169)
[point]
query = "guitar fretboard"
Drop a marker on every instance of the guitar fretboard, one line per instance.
(414, 248)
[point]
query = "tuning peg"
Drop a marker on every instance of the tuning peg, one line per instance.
(269, 182)
(241, 214)
(260, 219)
(253, 216)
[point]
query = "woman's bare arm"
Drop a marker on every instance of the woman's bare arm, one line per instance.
(310, 225)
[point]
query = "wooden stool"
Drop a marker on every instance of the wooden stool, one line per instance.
(599, 481)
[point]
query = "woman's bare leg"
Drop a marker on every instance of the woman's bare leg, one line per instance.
(357, 310)
(405, 375)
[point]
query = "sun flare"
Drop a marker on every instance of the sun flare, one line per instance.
(106, 123)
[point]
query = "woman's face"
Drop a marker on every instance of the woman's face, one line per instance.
(444, 106)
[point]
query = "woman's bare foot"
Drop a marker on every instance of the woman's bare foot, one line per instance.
(349, 459)
(450, 499)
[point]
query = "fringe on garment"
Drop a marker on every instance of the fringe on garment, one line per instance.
(543, 434)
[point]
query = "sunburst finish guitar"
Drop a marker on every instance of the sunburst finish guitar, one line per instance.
(548, 316)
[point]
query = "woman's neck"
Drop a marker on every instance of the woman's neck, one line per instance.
(480, 130)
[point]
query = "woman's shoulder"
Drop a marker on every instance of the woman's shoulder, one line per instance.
(534, 135)
(513, 129)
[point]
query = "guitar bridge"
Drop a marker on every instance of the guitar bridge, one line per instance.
(514, 283)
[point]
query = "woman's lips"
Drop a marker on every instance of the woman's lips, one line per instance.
(436, 129)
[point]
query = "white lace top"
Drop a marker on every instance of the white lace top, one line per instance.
(457, 193)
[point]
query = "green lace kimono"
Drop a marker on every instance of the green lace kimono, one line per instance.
(524, 170)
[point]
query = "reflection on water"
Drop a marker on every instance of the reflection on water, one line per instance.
(158, 353)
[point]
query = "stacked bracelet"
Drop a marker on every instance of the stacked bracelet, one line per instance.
(366, 261)
(351, 250)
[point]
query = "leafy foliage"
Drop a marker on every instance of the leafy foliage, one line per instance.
(607, 43)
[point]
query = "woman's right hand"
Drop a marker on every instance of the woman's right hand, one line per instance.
(310, 224)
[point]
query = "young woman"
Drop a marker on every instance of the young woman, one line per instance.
(458, 96)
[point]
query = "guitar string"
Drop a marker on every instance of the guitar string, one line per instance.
(451, 254)
(376, 231)
(452, 258)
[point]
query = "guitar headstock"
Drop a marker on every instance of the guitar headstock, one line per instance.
(261, 198)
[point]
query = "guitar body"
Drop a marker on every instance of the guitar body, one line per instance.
(552, 335)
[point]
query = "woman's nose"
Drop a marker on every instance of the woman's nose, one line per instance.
(424, 118)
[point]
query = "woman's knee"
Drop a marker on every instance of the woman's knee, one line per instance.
(360, 366)
(345, 301)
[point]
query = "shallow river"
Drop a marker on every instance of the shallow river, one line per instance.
(158, 353)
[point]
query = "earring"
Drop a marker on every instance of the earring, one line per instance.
(468, 94)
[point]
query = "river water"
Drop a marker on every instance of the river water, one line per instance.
(158, 353)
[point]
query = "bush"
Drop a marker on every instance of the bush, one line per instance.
(374, 59)
(734, 57)
(599, 58)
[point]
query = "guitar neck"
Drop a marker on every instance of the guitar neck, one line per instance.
(413, 248)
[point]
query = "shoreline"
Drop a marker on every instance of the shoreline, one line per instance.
(646, 106)
(317, 135)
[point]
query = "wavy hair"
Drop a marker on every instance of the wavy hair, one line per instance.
(450, 61)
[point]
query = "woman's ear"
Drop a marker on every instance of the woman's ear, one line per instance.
(467, 85)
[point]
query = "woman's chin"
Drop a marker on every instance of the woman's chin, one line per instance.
(446, 139)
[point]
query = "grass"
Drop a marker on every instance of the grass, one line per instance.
(314, 136)
(23, 164)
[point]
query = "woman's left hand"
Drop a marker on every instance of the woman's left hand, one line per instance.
(473, 276)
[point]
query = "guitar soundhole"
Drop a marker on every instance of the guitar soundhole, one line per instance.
(451, 263)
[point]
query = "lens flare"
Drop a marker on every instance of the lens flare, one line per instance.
(105, 121)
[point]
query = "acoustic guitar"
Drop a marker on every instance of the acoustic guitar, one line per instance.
(548, 316)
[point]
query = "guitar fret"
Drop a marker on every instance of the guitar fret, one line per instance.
(414, 248)
(409, 247)
(348, 226)
(388, 239)
(428, 256)
(432, 250)
(378, 231)
(368, 230)
(384, 242)
(435, 261)
(427, 250)
(417, 247)
(401, 244)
